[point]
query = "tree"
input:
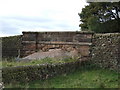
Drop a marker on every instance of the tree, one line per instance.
(101, 17)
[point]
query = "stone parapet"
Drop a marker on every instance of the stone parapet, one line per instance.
(37, 41)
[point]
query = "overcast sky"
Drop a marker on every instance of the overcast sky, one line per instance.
(39, 15)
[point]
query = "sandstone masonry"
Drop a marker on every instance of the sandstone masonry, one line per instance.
(43, 41)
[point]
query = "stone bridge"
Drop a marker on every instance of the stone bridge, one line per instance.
(32, 42)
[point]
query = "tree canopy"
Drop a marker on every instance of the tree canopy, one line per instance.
(101, 17)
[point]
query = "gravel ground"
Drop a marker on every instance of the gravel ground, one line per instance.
(52, 53)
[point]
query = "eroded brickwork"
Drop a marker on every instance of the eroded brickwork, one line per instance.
(43, 41)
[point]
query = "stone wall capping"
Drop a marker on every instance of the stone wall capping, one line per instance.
(79, 32)
(58, 43)
(106, 34)
(66, 43)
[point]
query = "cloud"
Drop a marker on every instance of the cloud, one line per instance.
(15, 25)
(39, 15)
(31, 19)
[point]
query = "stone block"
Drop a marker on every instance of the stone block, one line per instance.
(29, 46)
(84, 50)
(29, 37)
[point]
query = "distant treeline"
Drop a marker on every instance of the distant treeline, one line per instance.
(10, 46)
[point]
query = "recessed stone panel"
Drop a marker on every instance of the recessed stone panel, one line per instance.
(84, 50)
(43, 41)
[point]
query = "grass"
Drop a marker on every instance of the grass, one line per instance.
(10, 63)
(0, 64)
(86, 77)
(83, 78)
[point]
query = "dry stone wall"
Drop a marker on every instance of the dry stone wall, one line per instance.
(43, 41)
(106, 50)
(11, 46)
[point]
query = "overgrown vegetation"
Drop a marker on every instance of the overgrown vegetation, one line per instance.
(38, 72)
(65, 74)
(10, 62)
(86, 77)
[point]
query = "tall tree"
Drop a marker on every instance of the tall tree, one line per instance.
(101, 17)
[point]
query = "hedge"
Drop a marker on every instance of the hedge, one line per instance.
(25, 74)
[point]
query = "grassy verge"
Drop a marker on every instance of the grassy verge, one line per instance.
(10, 63)
(83, 78)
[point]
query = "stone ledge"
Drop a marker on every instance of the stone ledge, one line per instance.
(59, 43)
(77, 32)
(106, 34)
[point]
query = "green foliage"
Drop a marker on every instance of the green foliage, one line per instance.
(10, 46)
(8, 62)
(101, 17)
(89, 77)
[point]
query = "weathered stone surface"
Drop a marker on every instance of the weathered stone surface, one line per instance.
(28, 52)
(67, 41)
(84, 50)
(105, 50)
(29, 37)
(29, 46)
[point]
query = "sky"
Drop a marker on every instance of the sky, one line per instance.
(39, 15)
